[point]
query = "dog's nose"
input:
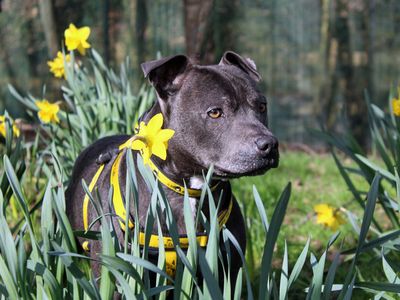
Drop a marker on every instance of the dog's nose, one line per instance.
(266, 144)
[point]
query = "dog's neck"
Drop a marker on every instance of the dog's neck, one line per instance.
(181, 171)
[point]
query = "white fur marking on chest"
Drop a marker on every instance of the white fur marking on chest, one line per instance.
(196, 182)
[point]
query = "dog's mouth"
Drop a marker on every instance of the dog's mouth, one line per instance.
(248, 169)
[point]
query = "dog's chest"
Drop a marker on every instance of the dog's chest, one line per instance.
(196, 182)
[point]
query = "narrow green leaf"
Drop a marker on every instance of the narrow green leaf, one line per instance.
(238, 286)
(144, 263)
(261, 209)
(367, 218)
(380, 286)
(283, 285)
(235, 243)
(49, 279)
(107, 286)
(63, 222)
(8, 281)
(298, 266)
(378, 242)
(390, 274)
(349, 290)
(330, 277)
(211, 284)
(318, 277)
(76, 272)
(376, 168)
(276, 222)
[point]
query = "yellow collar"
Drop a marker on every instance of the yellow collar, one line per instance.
(173, 185)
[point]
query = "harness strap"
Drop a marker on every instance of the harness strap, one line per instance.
(86, 199)
(118, 203)
(169, 243)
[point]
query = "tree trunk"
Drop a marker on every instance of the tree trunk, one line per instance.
(141, 25)
(356, 73)
(106, 26)
(197, 14)
(49, 26)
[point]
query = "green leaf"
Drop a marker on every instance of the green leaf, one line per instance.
(143, 263)
(63, 222)
(367, 218)
(211, 284)
(283, 285)
(376, 168)
(298, 266)
(378, 242)
(14, 182)
(380, 286)
(318, 276)
(238, 286)
(261, 209)
(49, 279)
(275, 225)
(330, 277)
(76, 272)
(107, 285)
(8, 281)
(235, 243)
(391, 275)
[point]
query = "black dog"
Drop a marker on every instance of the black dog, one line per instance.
(219, 117)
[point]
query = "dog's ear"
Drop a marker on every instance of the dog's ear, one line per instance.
(245, 64)
(165, 73)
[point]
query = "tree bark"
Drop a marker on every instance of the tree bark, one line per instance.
(197, 14)
(106, 27)
(49, 27)
(141, 25)
(356, 73)
(348, 77)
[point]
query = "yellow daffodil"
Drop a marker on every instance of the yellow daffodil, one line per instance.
(16, 130)
(151, 139)
(396, 107)
(328, 216)
(47, 111)
(76, 38)
(57, 66)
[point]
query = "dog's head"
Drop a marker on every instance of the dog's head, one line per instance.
(218, 114)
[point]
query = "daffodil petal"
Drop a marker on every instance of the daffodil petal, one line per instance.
(84, 32)
(3, 129)
(146, 155)
(165, 134)
(158, 149)
(138, 145)
(155, 124)
(81, 50)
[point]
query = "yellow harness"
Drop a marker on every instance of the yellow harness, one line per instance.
(119, 208)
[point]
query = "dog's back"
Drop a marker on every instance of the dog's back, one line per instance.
(85, 167)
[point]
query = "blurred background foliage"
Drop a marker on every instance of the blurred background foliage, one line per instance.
(316, 56)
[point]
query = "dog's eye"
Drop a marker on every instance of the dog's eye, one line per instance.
(262, 107)
(215, 113)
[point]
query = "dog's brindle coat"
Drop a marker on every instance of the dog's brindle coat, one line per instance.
(219, 117)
